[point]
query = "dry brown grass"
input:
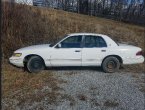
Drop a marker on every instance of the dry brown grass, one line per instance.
(137, 68)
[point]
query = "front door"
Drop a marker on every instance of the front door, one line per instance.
(68, 52)
(94, 50)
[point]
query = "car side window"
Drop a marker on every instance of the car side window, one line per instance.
(72, 42)
(102, 42)
(90, 41)
(94, 41)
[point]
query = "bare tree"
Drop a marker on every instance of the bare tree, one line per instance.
(126, 10)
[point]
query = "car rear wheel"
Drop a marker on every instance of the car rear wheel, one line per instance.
(111, 65)
(35, 64)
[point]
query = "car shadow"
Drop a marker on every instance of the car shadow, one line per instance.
(99, 69)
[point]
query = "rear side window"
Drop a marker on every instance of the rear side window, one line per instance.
(94, 41)
(102, 42)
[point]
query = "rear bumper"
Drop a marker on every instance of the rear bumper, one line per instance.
(16, 61)
(137, 60)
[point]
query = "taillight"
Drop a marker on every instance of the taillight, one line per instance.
(139, 53)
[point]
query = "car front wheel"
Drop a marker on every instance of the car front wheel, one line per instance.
(111, 65)
(35, 64)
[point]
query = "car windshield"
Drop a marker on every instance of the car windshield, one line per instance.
(57, 40)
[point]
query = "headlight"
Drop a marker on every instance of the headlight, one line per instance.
(17, 54)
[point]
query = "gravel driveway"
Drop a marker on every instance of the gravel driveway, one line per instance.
(94, 90)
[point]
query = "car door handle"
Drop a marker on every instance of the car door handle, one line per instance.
(103, 50)
(77, 50)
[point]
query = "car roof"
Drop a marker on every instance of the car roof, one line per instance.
(73, 34)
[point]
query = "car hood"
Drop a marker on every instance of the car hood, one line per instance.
(34, 47)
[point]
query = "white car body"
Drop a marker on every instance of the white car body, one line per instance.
(53, 56)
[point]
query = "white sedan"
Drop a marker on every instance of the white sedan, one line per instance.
(78, 49)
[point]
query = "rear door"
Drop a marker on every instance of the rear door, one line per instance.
(94, 50)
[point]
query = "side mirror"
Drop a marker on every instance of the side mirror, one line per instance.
(58, 46)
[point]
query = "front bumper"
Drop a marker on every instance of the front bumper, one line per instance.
(17, 61)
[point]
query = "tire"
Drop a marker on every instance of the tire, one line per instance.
(111, 65)
(35, 64)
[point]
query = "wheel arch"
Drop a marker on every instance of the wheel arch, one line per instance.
(26, 58)
(117, 56)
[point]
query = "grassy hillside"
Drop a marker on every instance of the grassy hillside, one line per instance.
(27, 25)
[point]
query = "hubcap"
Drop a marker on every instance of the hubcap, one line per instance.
(111, 65)
(36, 64)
